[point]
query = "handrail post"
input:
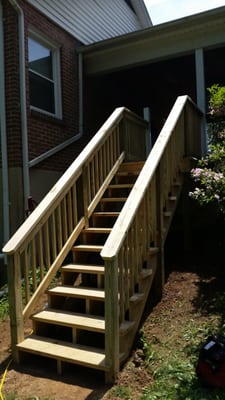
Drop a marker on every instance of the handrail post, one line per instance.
(85, 193)
(15, 302)
(160, 271)
(111, 319)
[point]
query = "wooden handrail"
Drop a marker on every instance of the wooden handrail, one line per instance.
(140, 223)
(39, 215)
(38, 248)
(116, 238)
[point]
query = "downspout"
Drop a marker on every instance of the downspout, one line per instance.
(23, 109)
(3, 132)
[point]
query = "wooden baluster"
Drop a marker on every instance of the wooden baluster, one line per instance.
(40, 255)
(64, 220)
(15, 302)
(53, 237)
(111, 319)
(24, 259)
(70, 211)
(59, 228)
(47, 245)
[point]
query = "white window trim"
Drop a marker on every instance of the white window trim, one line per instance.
(54, 47)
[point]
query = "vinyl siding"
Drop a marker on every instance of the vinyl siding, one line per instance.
(90, 20)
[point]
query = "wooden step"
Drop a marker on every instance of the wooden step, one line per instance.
(135, 166)
(79, 321)
(145, 273)
(137, 297)
(78, 292)
(121, 186)
(153, 251)
(125, 327)
(172, 198)
(97, 230)
(106, 214)
(88, 248)
(63, 351)
(86, 269)
(113, 199)
(167, 213)
(74, 320)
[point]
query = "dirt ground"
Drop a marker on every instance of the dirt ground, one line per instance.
(35, 379)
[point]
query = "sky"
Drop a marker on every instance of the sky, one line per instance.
(166, 10)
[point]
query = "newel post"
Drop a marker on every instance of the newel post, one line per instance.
(159, 280)
(111, 319)
(15, 302)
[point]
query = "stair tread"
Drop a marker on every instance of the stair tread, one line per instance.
(121, 186)
(106, 213)
(97, 230)
(92, 269)
(113, 199)
(145, 273)
(131, 166)
(136, 297)
(87, 247)
(167, 213)
(153, 250)
(67, 318)
(77, 354)
(71, 291)
(81, 321)
(173, 198)
(125, 326)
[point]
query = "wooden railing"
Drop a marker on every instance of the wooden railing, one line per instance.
(140, 224)
(37, 250)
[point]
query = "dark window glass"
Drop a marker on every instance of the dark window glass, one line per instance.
(41, 93)
(41, 77)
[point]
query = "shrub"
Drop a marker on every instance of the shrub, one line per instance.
(209, 175)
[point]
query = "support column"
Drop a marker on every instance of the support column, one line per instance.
(201, 90)
(147, 117)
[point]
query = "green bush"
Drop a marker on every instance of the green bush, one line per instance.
(209, 175)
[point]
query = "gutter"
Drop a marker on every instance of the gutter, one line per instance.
(3, 133)
(23, 109)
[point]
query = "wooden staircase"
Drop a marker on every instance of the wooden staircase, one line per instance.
(100, 233)
(71, 328)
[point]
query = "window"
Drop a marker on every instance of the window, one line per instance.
(44, 76)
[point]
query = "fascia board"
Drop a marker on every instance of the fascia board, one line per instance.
(155, 43)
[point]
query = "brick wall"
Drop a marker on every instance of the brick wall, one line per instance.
(44, 132)
(12, 86)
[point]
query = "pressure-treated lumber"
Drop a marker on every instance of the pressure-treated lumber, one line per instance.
(64, 351)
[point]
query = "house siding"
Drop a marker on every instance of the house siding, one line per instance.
(90, 20)
(44, 131)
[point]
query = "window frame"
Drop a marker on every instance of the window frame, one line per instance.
(56, 71)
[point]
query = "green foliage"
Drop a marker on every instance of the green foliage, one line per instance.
(209, 175)
(172, 359)
(122, 392)
(4, 306)
(216, 99)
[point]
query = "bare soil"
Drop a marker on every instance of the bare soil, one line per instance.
(187, 290)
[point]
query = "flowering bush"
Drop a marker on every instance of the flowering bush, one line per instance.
(209, 175)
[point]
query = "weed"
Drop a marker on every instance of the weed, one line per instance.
(4, 306)
(173, 363)
(122, 392)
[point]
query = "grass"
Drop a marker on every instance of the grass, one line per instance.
(4, 306)
(170, 352)
(170, 356)
(173, 360)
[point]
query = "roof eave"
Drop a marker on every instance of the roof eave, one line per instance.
(161, 41)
